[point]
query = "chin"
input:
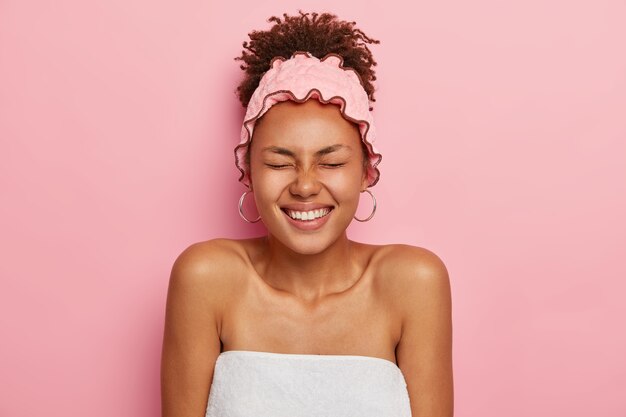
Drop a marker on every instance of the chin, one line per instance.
(305, 244)
(309, 242)
(310, 248)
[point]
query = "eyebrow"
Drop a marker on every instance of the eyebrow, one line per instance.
(323, 151)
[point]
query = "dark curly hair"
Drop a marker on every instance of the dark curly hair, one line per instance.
(320, 35)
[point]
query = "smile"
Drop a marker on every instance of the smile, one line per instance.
(308, 220)
(307, 215)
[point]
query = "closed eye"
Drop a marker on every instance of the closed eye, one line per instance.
(282, 166)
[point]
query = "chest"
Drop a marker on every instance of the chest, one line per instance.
(361, 321)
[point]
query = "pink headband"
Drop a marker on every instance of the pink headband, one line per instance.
(304, 76)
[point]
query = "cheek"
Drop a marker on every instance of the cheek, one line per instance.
(348, 177)
(344, 187)
(267, 187)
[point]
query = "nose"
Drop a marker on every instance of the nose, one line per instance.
(305, 183)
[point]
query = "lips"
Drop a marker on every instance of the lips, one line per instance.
(308, 225)
(305, 207)
(285, 209)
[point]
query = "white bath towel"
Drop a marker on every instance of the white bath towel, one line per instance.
(266, 384)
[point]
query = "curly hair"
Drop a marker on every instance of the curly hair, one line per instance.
(320, 34)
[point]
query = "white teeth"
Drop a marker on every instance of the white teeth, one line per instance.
(308, 215)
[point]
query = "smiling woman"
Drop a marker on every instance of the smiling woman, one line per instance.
(306, 150)
(303, 320)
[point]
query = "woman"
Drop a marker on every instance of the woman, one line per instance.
(304, 321)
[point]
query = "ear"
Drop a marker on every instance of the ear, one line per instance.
(364, 180)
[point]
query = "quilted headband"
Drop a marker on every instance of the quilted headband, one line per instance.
(304, 76)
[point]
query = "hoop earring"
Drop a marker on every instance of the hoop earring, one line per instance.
(243, 196)
(373, 211)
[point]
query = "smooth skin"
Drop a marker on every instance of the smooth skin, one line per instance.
(307, 292)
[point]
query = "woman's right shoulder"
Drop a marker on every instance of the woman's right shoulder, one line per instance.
(211, 259)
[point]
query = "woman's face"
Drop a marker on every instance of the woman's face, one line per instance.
(306, 154)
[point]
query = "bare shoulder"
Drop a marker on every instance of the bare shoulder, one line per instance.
(412, 265)
(421, 294)
(211, 270)
(200, 278)
(208, 256)
(203, 277)
(199, 287)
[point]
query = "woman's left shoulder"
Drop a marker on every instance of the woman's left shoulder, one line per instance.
(411, 263)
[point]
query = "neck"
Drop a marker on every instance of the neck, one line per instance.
(310, 276)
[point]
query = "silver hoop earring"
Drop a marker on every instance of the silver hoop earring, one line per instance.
(373, 211)
(243, 196)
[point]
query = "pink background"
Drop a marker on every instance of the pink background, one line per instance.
(503, 132)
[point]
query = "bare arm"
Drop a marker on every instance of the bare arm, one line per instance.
(191, 341)
(424, 352)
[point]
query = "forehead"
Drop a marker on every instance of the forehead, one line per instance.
(305, 125)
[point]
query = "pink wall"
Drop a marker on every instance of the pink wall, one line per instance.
(503, 130)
